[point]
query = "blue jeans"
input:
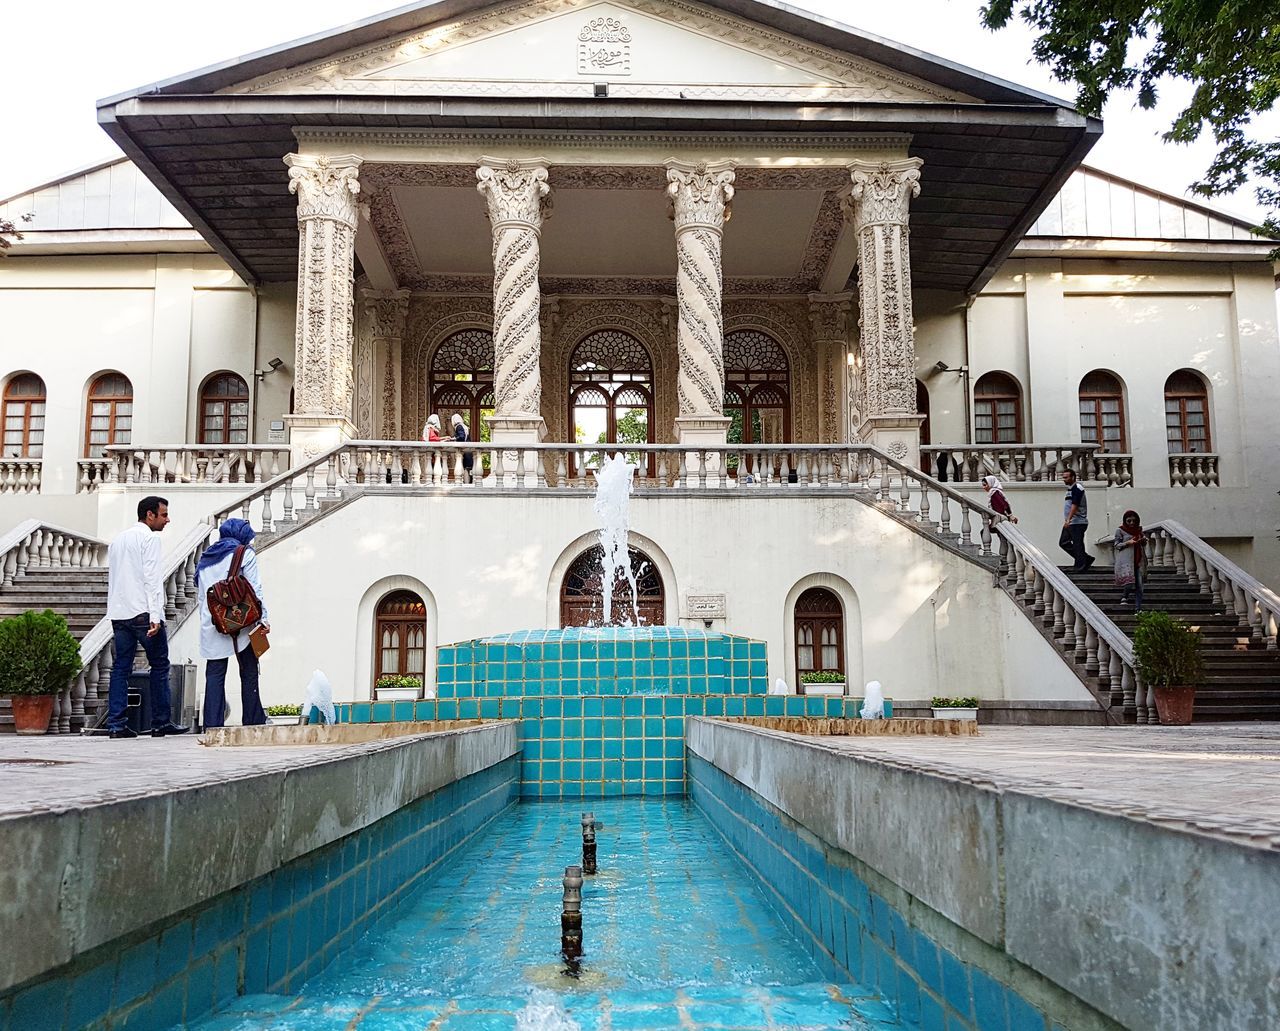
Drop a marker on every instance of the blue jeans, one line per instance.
(1135, 590)
(129, 633)
(215, 690)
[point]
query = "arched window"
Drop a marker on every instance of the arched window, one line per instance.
(582, 592)
(109, 417)
(757, 388)
(997, 409)
(611, 390)
(401, 635)
(224, 410)
(1102, 411)
(819, 632)
(1186, 413)
(462, 380)
(922, 408)
(24, 403)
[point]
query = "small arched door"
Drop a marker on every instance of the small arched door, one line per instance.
(582, 592)
(401, 636)
(819, 632)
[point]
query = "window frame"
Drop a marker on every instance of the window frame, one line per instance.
(992, 399)
(818, 618)
(223, 401)
(404, 622)
(113, 401)
(1181, 397)
(1096, 398)
(26, 402)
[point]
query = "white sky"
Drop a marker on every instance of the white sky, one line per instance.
(49, 128)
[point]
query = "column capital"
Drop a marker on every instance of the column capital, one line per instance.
(829, 315)
(881, 192)
(517, 192)
(326, 186)
(700, 195)
(386, 311)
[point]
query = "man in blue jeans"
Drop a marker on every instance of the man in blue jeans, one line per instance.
(135, 606)
(1075, 523)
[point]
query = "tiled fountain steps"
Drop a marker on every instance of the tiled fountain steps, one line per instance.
(603, 710)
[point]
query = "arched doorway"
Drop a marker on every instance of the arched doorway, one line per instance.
(819, 631)
(582, 592)
(610, 390)
(461, 381)
(757, 382)
(400, 636)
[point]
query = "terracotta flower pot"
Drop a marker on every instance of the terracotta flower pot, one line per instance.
(1175, 705)
(32, 712)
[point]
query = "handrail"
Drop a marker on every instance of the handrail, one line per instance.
(35, 544)
(1086, 634)
(1255, 605)
(185, 463)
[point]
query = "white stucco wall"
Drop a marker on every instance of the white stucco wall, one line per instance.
(930, 622)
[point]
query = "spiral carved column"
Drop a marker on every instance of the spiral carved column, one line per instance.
(878, 206)
(519, 199)
(323, 375)
(701, 198)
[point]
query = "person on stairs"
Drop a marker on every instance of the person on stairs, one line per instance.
(1075, 523)
(135, 606)
(996, 501)
(216, 647)
(1130, 560)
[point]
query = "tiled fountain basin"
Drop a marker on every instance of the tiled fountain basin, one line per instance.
(322, 734)
(896, 726)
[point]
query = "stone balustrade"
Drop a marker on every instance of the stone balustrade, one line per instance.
(1018, 463)
(184, 463)
(1255, 606)
(20, 475)
(33, 544)
(1081, 630)
(1196, 469)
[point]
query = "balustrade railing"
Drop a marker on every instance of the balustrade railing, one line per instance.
(33, 544)
(1013, 463)
(1196, 469)
(20, 475)
(1082, 630)
(1255, 606)
(184, 463)
(1108, 468)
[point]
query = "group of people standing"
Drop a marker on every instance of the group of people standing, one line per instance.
(1127, 545)
(431, 435)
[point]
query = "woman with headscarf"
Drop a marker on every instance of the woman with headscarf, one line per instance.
(462, 435)
(996, 500)
(431, 431)
(1130, 561)
(216, 647)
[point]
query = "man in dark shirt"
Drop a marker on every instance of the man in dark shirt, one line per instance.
(1075, 523)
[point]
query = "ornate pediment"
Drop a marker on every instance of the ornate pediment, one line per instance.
(650, 49)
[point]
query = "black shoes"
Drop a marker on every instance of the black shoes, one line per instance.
(1088, 564)
(168, 729)
(121, 733)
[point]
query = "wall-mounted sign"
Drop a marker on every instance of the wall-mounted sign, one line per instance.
(604, 47)
(705, 606)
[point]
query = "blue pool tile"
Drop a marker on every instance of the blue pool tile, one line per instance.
(955, 985)
(361, 712)
(136, 974)
(34, 1007)
(1022, 1015)
(89, 996)
(931, 1014)
(988, 1002)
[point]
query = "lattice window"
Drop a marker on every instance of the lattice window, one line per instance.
(819, 628)
(224, 410)
(582, 592)
(401, 635)
(611, 390)
(1186, 413)
(1102, 411)
(461, 380)
(757, 396)
(997, 409)
(24, 408)
(109, 417)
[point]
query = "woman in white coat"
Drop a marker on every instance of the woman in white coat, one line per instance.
(216, 647)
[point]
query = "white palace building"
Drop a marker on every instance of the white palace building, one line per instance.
(817, 283)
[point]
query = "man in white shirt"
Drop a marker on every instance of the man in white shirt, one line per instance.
(135, 606)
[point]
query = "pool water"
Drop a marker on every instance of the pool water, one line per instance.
(677, 934)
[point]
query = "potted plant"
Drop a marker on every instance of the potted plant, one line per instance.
(1167, 654)
(945, 708)
(822, 681)
(396, 687)
(38, 658)
(285, 714)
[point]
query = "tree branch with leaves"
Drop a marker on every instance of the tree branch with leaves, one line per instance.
(9, 232)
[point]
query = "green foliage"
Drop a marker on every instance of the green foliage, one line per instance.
(1167, 651)
(398, 680)
(822, 676)
(942, 702)
(1229, 51)
(9, 228)
(38, 655)
(284, 710)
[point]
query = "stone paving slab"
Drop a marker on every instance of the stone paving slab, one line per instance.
(1218, 779)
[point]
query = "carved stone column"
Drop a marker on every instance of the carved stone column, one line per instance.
(519, 199)
(385, 311)
(701, 198)
(323, 375)
(877, 206)
(829, 329)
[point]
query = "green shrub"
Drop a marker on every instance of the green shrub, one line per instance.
(399, 680)
(822, 676)
(38, 655)
(1167, 651)
(284, 710)
(941, 702)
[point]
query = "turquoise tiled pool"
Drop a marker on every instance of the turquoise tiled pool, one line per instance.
(678, 934)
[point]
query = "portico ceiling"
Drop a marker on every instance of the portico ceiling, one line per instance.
(213, 142)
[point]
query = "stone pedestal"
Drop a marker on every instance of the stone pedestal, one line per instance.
(896, 435)
(312, 435)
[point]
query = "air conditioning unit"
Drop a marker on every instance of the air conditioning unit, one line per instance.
(183, 697)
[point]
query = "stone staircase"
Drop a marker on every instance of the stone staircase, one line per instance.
(78, 595)
(1242, 677)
